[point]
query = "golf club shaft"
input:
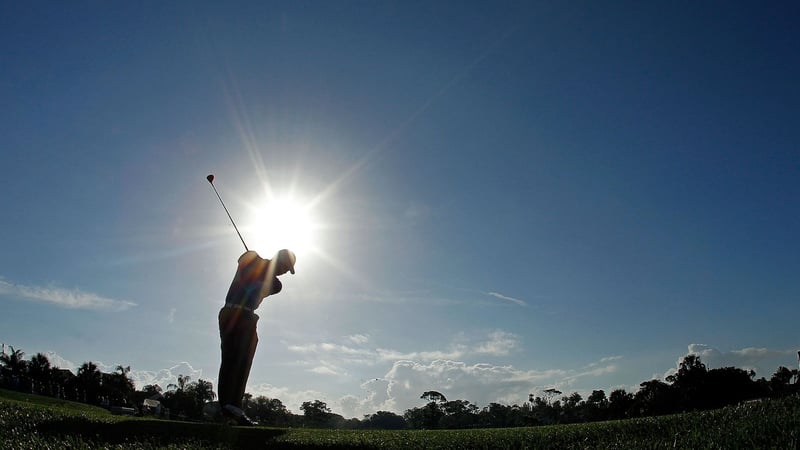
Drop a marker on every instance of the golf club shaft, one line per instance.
(229, 215)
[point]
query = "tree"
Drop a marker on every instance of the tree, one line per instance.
(118, 386)
(458, 414)
(384, 420)
(268, 411)
(596, 407)
(177, 399)
(619, 404)
(571, 408)
(14, 366)
(152, 390)
(187, 398)
(41, 374)
(183, 380)
(495, 415)
(597, 398)
(731, 385)
(89, 380)
(542, 410)
(202, 391)
(433, 396)
(66, 384)
(689, 383)
(340, 423)
(316, 413)
(429, 415)
(781, 384)
(424, 418)
(655, 398)
(550, 394)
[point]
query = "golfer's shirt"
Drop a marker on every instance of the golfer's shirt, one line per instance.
(254, 280)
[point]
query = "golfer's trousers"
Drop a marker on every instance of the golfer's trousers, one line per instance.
(237, 331)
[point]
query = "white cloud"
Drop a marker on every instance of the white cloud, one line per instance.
(500, 343)
(376, 399)
(171, 315)
(597, 371)
(165, 377)
(497, 343)
(610, 358)
(359, 339)
(324, 367)
(604, 360)
(57, 361)
(67, 298)
(394, 355)
(507, 298)
(290, 397)
(324, 370)
(479, 383)
(413, 372)
(352, 406)
(342, 353)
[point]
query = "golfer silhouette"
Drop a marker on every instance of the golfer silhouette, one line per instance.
(256, 278)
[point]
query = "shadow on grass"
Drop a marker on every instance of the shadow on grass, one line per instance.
(162, 432)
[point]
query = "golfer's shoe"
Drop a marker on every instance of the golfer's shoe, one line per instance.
(245, 421)
(235, 416)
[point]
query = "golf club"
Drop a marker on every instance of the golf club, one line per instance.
(210, 179)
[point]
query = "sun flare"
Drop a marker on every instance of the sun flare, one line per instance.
(282, 223)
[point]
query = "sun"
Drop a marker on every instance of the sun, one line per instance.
(282, 223)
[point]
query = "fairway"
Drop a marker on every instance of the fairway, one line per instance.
(29, 421)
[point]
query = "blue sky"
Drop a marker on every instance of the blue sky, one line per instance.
(499, 197)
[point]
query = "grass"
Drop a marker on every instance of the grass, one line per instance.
(29, 421)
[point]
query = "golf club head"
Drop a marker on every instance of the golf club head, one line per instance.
(210, 178)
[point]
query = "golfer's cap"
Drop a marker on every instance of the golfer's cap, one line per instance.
(287, 257)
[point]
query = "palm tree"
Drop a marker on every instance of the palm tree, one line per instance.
(178, 397)
(65, 382)
(119, 387)
(14, 365)
(89, 381)
(41, 374)
(183, 381)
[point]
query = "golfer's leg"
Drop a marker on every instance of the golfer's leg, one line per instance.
(227, 369)
(248, 353)
(224, 379)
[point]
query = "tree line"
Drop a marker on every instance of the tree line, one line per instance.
(693, 387)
